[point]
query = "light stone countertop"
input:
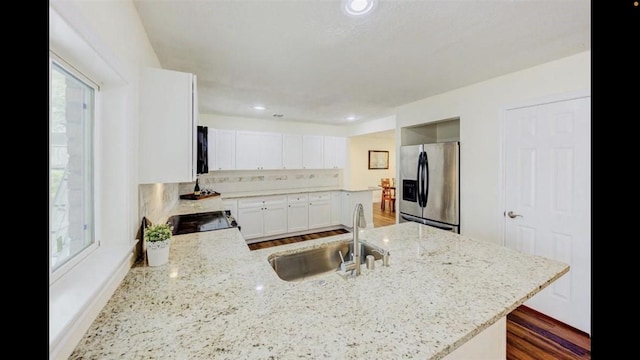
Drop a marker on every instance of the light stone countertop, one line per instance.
(238, 195)
(216, 299)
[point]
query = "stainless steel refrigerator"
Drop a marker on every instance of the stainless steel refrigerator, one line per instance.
(430, 185)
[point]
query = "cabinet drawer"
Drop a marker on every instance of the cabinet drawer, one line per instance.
(297, 198)
(320, 196)
(250, 202)
(262, 201)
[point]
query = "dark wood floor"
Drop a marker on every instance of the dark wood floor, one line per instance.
(535, 336)
(530, 334)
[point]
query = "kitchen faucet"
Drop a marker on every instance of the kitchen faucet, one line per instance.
(358, 222)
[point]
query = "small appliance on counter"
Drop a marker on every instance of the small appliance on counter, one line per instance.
(199, 222)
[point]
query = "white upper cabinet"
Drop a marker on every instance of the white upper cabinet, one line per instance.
(291, 151)
(258, 150)
(222, 148)
(271, 151)
(168, 120)
(335, 152)
(312, 152)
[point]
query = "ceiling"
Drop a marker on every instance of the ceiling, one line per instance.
(309, 61)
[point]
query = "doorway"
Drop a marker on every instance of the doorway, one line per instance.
(547, 178)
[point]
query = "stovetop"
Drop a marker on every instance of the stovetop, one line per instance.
(199, 222)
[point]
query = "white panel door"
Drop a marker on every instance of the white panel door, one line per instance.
(548, 202)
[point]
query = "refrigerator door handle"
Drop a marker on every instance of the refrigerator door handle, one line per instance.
(419, 178)
(425, 177)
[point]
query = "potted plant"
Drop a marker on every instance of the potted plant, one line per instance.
(158, 238)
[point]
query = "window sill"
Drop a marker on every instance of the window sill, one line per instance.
(77, 297)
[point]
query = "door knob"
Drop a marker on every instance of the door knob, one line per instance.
(513, 215)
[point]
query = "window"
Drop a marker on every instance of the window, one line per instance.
(71, 120)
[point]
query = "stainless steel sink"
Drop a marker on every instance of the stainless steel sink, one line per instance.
(309, 262)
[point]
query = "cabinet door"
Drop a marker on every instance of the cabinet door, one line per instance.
(225, 151)
(319, 214)
(336, 207)
(341, 152)
(211, 148)
(248, 150)
(271, 151)
(297, 212)
(347, 209)
(291, 151)
(319, 209)
(312, 152)
(222, 149)
(251, 222)
(334, 152)
(231, 205)
(168, 121)
(258, 150)
(275, 215)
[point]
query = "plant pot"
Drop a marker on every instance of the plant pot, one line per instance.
(158, 252)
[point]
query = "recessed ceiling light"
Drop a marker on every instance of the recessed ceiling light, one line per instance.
(259, 107)
(358, 7)
(351, 118)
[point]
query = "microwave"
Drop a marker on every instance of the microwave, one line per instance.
(202, 164)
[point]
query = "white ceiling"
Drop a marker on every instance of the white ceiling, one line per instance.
(310, 62)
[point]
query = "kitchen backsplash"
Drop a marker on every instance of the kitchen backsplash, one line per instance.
(156, 201)
(260, 180)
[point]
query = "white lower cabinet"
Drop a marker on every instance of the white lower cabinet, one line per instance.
(297, 212)
(349, 201)
(319, 209)
(271, 216)
(336, 208)
(231, 205)
(262, 216)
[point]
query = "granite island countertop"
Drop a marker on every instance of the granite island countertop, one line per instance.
(217, 299)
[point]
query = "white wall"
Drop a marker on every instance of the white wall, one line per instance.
(480, 107)
(278, 126)
(106, 41)
(361, 176)
(372, 126)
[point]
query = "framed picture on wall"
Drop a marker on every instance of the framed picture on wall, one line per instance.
(378, 159)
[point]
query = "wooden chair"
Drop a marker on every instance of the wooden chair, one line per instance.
(388, 194)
